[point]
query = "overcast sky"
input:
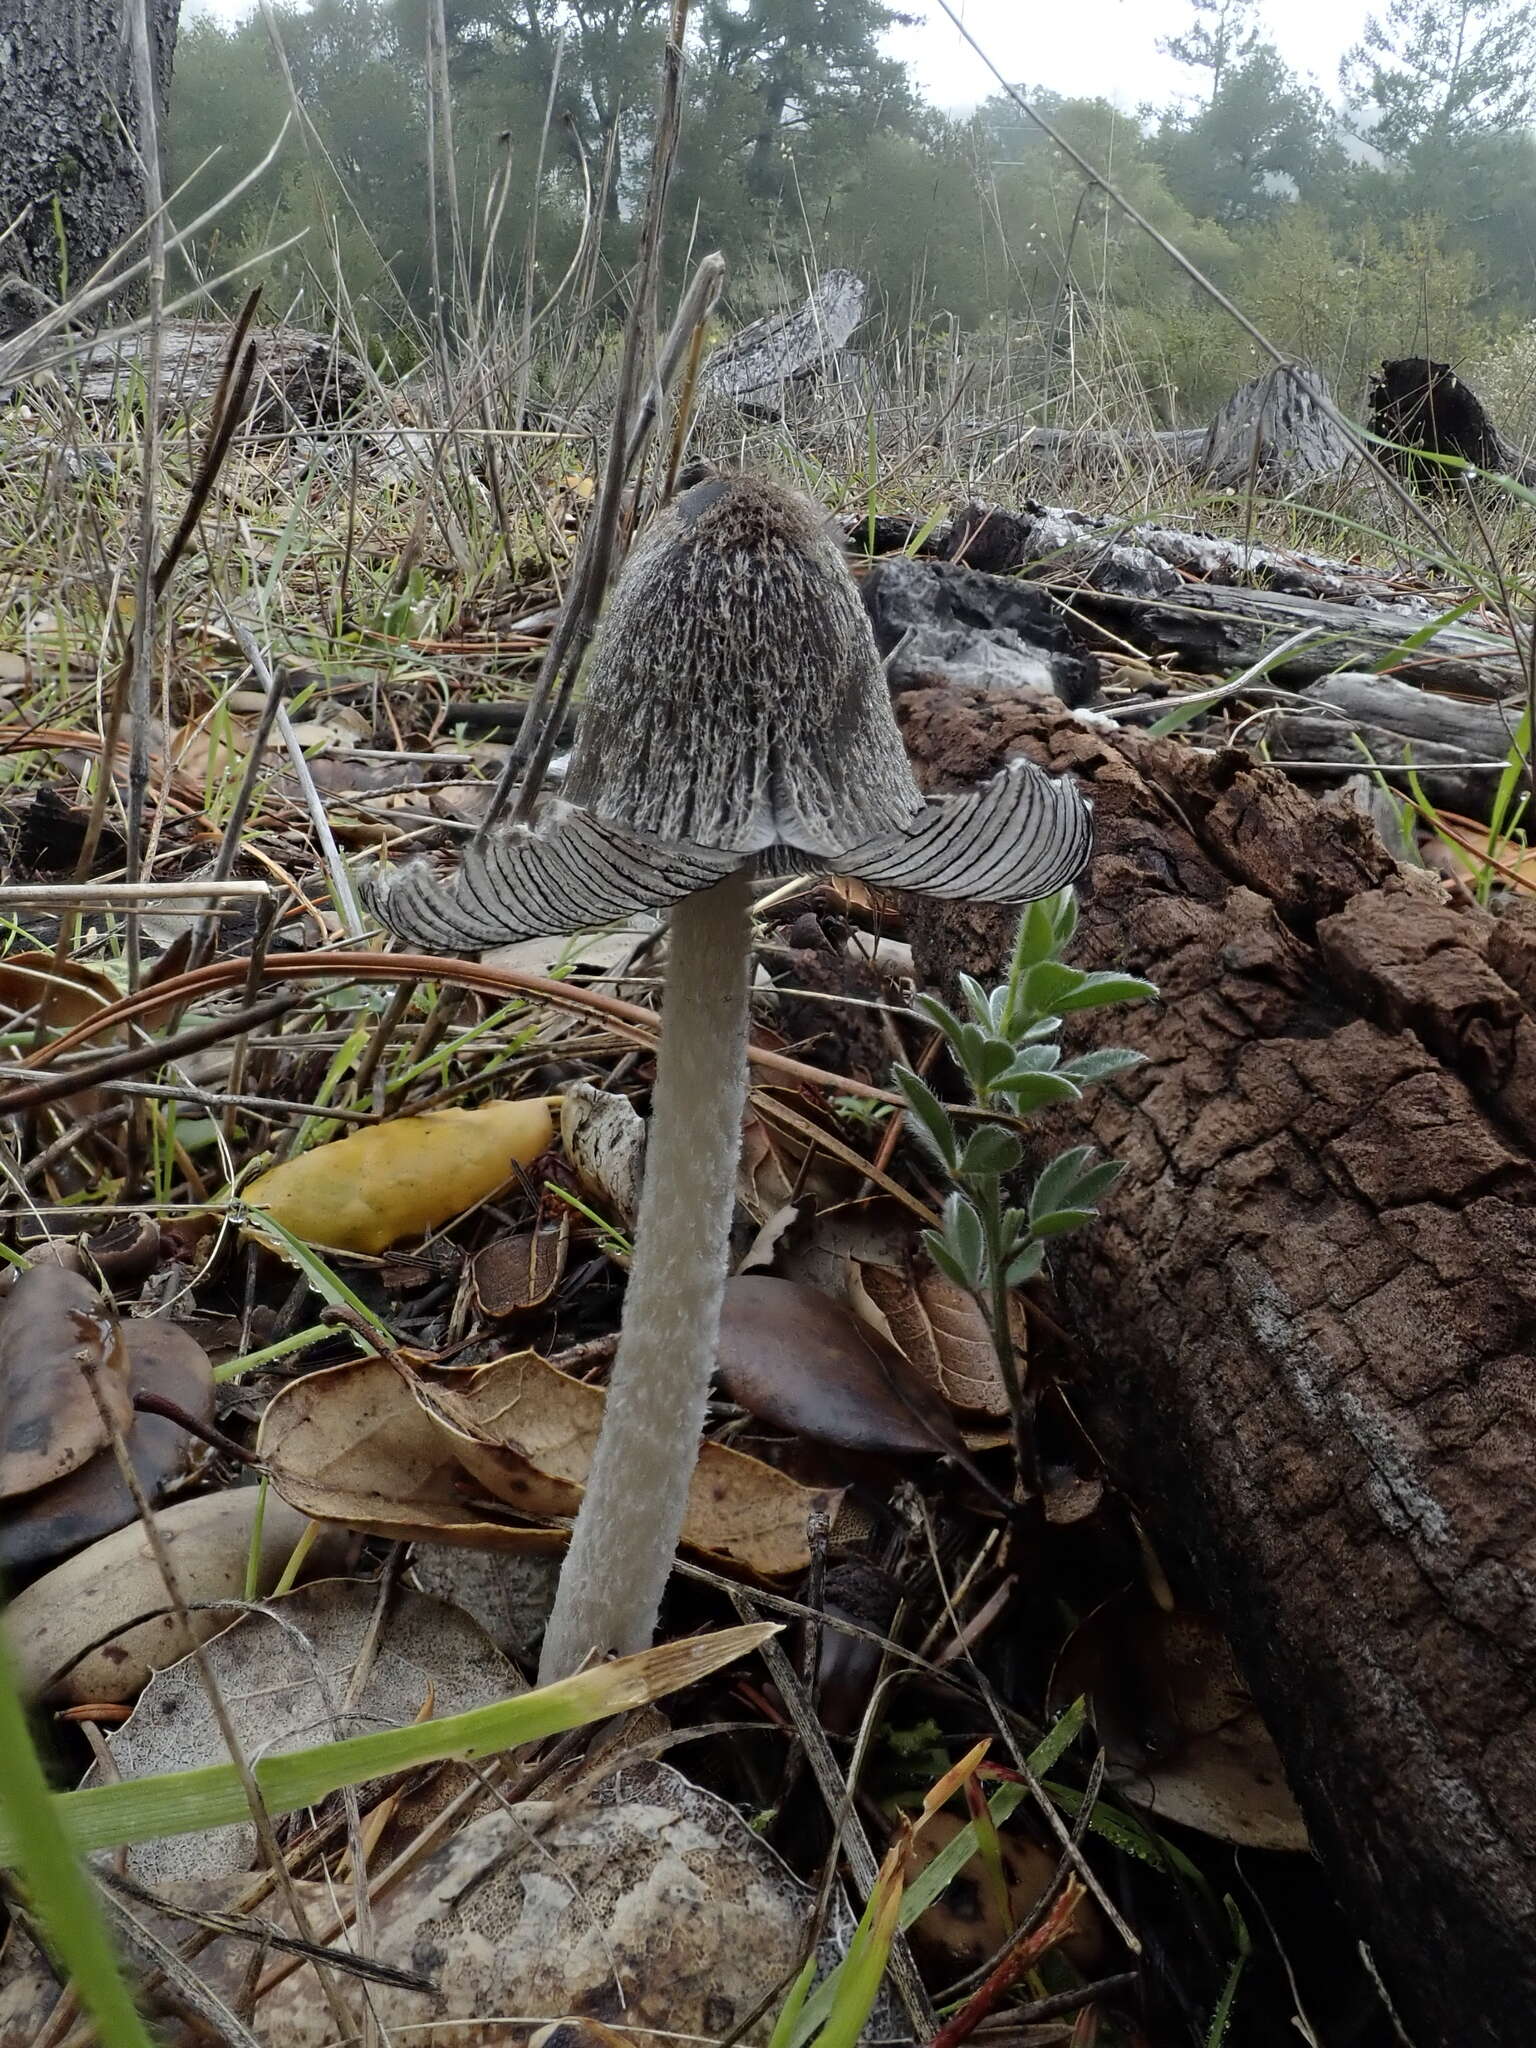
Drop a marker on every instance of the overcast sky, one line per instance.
(1083, 47)
(1100, 47)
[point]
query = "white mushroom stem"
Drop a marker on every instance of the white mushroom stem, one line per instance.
(632, 1513)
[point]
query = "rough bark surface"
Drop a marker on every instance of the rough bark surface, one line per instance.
(1309, 1315)
(66, 84)
(1276, 433)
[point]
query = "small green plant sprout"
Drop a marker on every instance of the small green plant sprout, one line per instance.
(1008, 1048)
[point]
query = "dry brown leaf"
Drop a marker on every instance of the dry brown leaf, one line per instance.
(1184, 1738)
(351, 1445)
(56, 1333)
(93, 1500)
(528, 1431)
(942, 1330)
(426, 1654)
(61, 994)
(364, 1192)
(803, 1362)
(95, 1627)
(521, 1270)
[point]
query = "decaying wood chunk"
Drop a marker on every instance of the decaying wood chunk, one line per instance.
(1419, 404)
(1308, 1319)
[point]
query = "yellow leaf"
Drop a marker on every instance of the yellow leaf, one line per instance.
(365, 1192)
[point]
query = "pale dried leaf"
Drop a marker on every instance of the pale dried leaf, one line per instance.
(942, 1330)
(351, 1445)
(428, 1655)
(95, 1627)
(509, 1593)
(528, 1431)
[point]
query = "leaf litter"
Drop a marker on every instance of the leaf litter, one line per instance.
(429, 1377)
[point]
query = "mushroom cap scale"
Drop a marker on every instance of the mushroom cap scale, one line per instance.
(735, 698)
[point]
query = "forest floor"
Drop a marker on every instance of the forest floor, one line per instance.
(371, 1411)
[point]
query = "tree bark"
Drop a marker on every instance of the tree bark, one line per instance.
(1308, 1317)
(67, 84)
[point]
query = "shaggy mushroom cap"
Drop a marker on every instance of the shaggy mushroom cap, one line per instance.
(737, 712)
(735, 698)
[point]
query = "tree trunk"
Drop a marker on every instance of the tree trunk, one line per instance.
(1307, 1320)
(66, 80)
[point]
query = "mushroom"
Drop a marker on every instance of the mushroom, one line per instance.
(736, 724)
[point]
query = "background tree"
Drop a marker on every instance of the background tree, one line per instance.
(1221, 35)
(69, 170)
(1430, 75)
(1258, 143)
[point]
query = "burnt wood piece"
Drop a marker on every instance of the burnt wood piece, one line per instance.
(1306, 1323)
(937, 623)
(1039, 539)
(1417, 403)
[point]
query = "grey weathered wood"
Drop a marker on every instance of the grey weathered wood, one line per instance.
(67, 88)
(755, 366)
(1458, 751)
(1220, 631)
(1279, 432)
(301, 379)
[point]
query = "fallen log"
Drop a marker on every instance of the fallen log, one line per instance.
(1457, 751)
(1278, 433)
(1306, 1323)
(1051, 538)
(1217, 631)
(301, 379)
(954, 619)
